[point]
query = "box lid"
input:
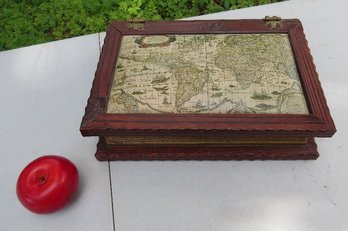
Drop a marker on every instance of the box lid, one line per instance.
(229, 77)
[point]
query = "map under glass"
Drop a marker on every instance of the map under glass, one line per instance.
(206, 73)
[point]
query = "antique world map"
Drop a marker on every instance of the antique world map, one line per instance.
(206, 73)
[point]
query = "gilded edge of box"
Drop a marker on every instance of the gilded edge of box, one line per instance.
(201, 140)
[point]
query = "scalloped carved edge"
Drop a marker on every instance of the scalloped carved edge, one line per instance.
(95, 106)
(322, 109)
(96, 122)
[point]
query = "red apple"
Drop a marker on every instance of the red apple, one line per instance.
(47, 184)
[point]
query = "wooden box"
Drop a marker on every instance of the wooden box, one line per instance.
(206, 90)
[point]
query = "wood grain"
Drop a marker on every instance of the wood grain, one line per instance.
(96, 122)
(206, 152)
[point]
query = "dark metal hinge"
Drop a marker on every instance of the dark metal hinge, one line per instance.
(273, 22)
(136, 24)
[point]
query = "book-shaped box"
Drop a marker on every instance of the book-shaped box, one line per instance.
(213, 89)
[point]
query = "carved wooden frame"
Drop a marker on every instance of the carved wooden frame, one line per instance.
(96, 122)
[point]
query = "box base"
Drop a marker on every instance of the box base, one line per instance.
(203, 152)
